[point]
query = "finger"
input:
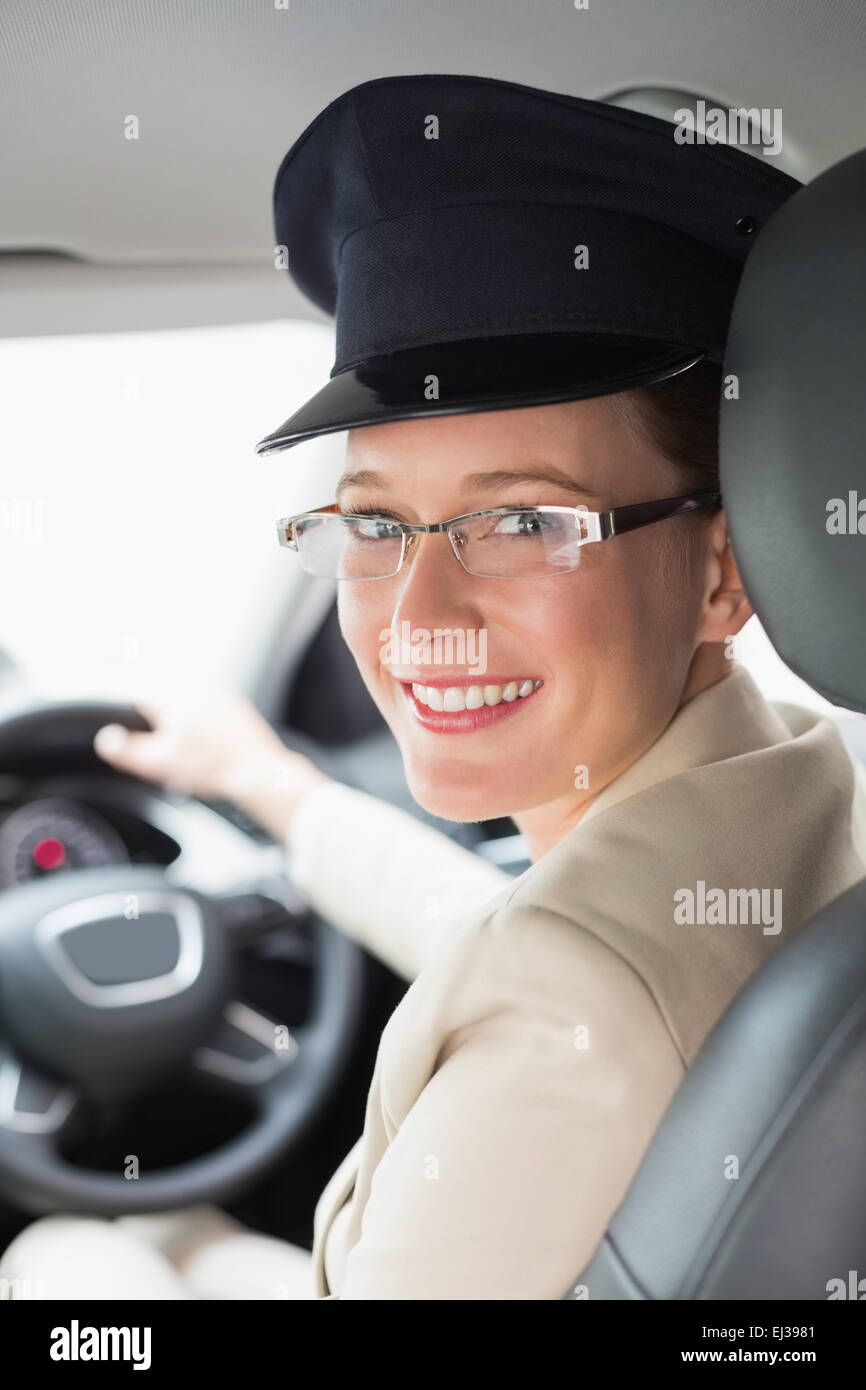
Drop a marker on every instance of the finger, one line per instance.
(110, 741)
(145, 754)
(152, 709)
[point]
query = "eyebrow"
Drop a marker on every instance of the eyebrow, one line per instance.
(497, 478)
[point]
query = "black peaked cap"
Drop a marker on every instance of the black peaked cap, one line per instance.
(440, 219)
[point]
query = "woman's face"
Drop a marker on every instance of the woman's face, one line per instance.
(611, 642)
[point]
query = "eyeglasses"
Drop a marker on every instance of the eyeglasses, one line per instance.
(500, 543)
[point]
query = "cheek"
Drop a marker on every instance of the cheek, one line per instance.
(589, 620)
(648, 610)
(363, 617)
(619, 626)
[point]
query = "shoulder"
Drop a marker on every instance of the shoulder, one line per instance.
(522, 971)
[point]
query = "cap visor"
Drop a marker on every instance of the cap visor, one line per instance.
(480, 374)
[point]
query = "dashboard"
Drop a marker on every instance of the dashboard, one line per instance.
(60, 824)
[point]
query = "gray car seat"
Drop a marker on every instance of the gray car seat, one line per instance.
(781, 1080)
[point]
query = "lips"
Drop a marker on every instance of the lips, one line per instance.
(461, 705)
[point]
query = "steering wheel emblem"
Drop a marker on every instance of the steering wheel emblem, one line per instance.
(159, 951)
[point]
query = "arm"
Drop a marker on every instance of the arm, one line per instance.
(395, 885)
(502, 1177)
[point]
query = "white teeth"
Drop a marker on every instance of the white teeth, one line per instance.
(453, 698)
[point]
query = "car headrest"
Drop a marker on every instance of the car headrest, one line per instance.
(792, 442)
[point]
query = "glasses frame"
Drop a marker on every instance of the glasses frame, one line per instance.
(598, 526)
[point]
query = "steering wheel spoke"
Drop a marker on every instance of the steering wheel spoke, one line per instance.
(35, 1108)
(256, 907)
(248, 1053)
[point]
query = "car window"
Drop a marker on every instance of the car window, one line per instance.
(136, 520)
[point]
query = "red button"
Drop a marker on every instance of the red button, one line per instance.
(49, 853)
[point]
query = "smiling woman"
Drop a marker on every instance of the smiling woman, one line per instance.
(634, 614)
(550, 1018)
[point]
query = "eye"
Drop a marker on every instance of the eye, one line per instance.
(523, 523)
(378, 526)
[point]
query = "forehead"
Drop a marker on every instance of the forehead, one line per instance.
(578, 446)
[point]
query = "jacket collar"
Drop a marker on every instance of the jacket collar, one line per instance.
(729, 718)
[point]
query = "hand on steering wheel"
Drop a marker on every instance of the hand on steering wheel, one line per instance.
(213, 744)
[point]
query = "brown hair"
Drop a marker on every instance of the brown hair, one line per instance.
(680, 418)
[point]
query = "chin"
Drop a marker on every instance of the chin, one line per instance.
(447, 798)
(454, 808)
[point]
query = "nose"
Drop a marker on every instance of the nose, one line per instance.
(433, 589)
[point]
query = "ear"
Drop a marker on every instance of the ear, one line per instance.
(725, 607)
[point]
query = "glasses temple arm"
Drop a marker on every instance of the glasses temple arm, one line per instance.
(620, 519)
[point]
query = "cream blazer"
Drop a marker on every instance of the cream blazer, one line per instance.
(551, 1017)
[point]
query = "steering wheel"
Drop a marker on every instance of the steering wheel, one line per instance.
(116, 979)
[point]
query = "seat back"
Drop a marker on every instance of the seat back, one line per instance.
(754, 1185)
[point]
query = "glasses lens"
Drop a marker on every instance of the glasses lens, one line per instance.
(346, 547)
(532, 541)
